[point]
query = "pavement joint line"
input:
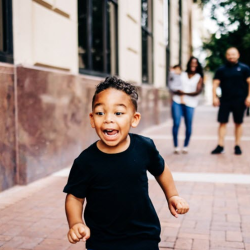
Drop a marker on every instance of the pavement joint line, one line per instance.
(168, 124)
(211, 178)
(62, 173)
(18, 193)
(192, 177)
(155, 127)
(194, 137)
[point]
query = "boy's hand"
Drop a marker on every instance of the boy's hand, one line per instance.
(77, 232)
(177, 205)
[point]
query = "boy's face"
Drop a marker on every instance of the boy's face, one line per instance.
(112, 116)
(177, 70)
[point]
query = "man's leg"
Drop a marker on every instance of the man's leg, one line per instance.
(223, 116)
(222, 132)
(238, 114)
(238, 133)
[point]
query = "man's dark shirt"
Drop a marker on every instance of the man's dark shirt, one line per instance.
(119, 212)
(233, 82)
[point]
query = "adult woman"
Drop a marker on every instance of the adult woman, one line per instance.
(185, 101)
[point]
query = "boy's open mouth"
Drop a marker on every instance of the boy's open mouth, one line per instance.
(110, 132)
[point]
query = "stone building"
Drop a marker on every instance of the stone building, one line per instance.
(54, 52)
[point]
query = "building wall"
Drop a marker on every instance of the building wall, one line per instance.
(45, 109)
(53, 124)
(130, 40)
(45, 33)
(159, 49)
(186, 31)
(7, 127)
(47, 125)
(174, 32)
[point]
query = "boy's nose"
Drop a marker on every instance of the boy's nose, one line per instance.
(108, 119)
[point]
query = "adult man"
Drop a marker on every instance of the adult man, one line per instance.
(234, 80)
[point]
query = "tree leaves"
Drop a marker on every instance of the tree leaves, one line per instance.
(233, 31)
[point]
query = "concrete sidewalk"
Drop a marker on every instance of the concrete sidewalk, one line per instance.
(217, 188)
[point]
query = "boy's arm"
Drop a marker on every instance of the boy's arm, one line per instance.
(177, 205)
(77, 229)
(73, 208)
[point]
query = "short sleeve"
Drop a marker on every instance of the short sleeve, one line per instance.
(217, 75)
(157, 164)
(78, 180)
(247, 72)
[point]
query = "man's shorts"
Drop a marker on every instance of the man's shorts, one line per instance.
(236, 107)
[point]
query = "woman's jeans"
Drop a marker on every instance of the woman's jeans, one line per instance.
(179, 110)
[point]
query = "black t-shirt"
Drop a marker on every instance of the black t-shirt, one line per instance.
(119, 211)
(233, 81)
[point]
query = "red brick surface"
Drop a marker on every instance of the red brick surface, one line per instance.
(219, 217)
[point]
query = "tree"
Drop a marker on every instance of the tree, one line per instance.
(233, 30)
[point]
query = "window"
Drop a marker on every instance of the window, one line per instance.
(97, 37)
(6, 43)
(147, 41)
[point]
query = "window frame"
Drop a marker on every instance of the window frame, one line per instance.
(180, 31)
(168, 44)
(90, 70)
(6, 55)
(149, 32)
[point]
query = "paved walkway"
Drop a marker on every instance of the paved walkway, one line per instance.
(216, 187)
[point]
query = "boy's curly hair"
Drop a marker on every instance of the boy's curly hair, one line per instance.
(116, 83)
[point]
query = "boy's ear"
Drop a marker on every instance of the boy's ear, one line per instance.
(136, 120)
(91, 120)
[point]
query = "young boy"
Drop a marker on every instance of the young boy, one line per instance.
(112, 175)
(175, 78)
(175, 82)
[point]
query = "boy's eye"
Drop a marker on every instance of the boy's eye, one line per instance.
(99, 113)
(118, 113)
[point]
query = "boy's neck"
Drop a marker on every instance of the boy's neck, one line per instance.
(123, 146)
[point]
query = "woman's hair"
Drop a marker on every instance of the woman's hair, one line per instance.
(119, 84)
(199, 68)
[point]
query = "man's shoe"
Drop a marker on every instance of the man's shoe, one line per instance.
(237, 150)
(218, 150)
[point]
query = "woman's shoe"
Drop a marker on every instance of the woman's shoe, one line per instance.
(185, 150)
(177, 151)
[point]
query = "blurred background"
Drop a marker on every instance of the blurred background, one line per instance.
(54, 52)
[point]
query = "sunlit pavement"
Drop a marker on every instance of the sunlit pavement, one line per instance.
(217, 188)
